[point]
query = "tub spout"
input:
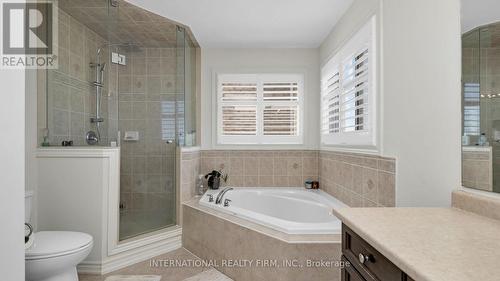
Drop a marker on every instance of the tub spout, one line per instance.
(221, 194)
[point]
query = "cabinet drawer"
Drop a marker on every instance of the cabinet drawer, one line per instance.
(349, 273)
(369, 262)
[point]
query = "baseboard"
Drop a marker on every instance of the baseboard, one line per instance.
(130, 257)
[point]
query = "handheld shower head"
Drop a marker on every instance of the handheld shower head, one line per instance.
(101, 70)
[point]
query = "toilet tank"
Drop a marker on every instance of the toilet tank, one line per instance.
(28, 203)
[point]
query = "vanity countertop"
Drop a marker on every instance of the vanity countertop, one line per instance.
(431, 244)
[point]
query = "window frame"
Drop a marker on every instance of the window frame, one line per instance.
(260, 103)
(364, 38)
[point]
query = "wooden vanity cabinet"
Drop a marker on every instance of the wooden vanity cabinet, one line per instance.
(366, 263)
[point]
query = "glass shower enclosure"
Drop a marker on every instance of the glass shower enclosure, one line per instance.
(126, 76)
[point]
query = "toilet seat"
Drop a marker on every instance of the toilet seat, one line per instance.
(49, 244)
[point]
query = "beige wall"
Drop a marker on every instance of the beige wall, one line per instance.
(419, 92)
(259, 61)
(421, 102)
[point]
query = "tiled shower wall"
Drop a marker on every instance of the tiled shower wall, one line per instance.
(263, 168)
(69, 96)
(358, 180)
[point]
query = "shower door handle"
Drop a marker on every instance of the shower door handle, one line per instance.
(170, 141)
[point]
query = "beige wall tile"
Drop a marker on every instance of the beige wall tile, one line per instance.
(251, 181)
(281, 181)
(370, 184)
(356, 179)
(386, 189)
(266, 166)
(251, 166)
(294, 166)
(237, 166)
(246, 242)
(351, 177)
(280, 166)
(266, 181)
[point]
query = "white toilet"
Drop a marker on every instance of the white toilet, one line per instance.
(55, 254)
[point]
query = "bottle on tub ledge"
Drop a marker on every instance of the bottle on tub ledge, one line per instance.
(200, 187)
(310, 184)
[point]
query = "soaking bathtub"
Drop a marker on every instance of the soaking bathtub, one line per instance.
(289, 210)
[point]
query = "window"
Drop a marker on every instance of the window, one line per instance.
(259, 108)
(348, 92)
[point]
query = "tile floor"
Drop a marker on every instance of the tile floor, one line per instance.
(167, 273)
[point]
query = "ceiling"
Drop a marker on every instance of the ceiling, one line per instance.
(126, 24)
(255, 23)
(479, 12)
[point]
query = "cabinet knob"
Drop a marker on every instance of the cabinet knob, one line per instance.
(364, 258)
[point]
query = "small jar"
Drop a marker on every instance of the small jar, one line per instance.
(308, 184)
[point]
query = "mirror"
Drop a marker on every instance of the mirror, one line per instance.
(481, 108)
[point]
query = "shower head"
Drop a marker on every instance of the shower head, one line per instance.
(103, 67)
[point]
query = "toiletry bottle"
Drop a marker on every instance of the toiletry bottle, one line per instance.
(482, 139)
(200, 188)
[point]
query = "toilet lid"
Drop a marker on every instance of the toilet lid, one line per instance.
(48, 243)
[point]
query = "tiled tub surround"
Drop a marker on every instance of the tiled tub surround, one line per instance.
(189, 169)
(358, 180)
(476, 203)
(477, 167)
(263, 168)
(212, 235)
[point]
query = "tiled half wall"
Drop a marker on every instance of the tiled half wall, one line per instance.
(358, 180)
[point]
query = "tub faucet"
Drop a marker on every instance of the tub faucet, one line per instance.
(221, 194)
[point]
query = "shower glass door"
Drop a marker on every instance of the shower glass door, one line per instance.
(147, 109)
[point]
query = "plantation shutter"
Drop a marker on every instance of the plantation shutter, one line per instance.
(354, 94)
(281, 108)
(239, 118)
(331, 101)
(348, 92)
(259, 108)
